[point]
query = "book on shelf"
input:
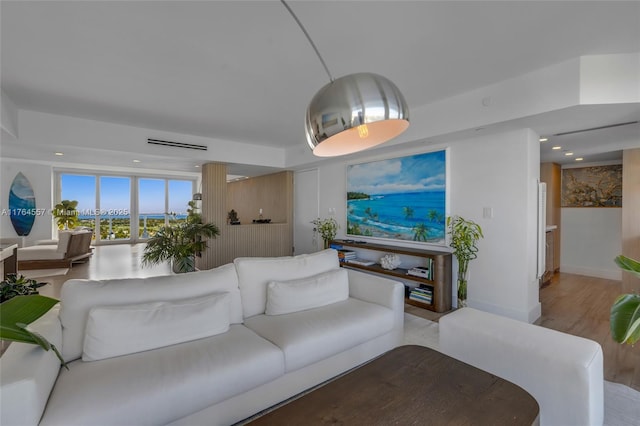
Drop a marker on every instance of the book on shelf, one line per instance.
(421, 294)
(347, 254)
(420, 298)
(361, 262)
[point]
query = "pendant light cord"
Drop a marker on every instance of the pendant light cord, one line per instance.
(309, 38)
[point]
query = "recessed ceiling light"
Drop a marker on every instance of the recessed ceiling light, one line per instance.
(136, 161)
(197, 166)
(59, 154)
(544, 139)
(579, 159)
(557, 147)
(568, 153)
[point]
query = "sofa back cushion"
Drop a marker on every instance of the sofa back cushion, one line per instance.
(79, 296)
(63, 241)
(254, 273)
(126, 329)
(285, 297)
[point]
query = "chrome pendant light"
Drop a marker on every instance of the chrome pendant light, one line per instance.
(354, 112)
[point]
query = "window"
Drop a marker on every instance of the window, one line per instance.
(82, 189)
(126, 208)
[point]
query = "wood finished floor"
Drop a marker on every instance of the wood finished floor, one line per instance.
(574, 304)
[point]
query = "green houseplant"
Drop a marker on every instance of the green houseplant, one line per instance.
(180, 242)
(17, 285)
(20, 311)
(66, 214)
(327, 228)
(465, 234)
(624, 318)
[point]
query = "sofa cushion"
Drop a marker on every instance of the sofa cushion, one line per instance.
(254, 273)
(127, 329)
(40, 253)
(63, 241)
(79, 296)
(309, 336)
(307, 293)
(162, 385)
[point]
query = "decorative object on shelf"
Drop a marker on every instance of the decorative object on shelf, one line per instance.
(464, 237)
(18, 285)
(327, 228)
(390, 261)
(332, 126)
(20, 311)
(232, 217)
(624, 319)
(22, 205)
(180, 242)
(66, 214)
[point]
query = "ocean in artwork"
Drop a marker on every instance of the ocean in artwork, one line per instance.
(400, 198)
(415, 216)
(22, 205)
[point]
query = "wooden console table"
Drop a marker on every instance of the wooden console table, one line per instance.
(411, 385)
(440, 262)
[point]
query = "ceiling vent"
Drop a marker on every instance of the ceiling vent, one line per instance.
(177, 144)
(595, 128)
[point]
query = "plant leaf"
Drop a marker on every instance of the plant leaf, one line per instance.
(628, 265)
(24, 309)
(625, 319)
(38, 339)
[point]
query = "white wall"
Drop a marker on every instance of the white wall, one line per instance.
(591, 239)
(497, 171)
(41, 178)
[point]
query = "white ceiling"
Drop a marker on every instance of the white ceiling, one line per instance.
(243, 71)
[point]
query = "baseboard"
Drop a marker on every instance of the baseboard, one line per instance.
(609, 274)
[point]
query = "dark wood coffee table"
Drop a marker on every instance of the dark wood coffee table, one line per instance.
(411, 385)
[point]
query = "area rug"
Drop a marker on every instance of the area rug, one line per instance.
(41, 273)
(621, 403)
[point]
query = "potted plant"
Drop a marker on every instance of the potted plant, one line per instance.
(464, 237)
(66, 214)
(21, 305)
(327, 228)
(624, 318)
(180, 242)
(18, 285)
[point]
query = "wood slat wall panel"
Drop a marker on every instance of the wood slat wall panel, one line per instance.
(272, 193)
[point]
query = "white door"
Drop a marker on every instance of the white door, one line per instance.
(306, 207)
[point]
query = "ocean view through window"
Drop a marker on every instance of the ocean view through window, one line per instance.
(126, 208)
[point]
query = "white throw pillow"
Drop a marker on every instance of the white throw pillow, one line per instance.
(307, 293)
(125, 329)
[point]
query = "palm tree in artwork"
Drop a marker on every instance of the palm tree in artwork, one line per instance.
(420, 232)
(433, 215)
(408, 212)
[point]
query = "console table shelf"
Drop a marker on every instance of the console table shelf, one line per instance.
(441, 263)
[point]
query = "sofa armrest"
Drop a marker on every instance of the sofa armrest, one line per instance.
(564, 373)
(29, 373)
(382, 291)
(376, 289)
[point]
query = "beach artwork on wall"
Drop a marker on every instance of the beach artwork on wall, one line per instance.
(22, 205)
(597, 186)
(400, 198)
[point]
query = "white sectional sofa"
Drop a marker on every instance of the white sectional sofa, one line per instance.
(564, 373)
(211, 347)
